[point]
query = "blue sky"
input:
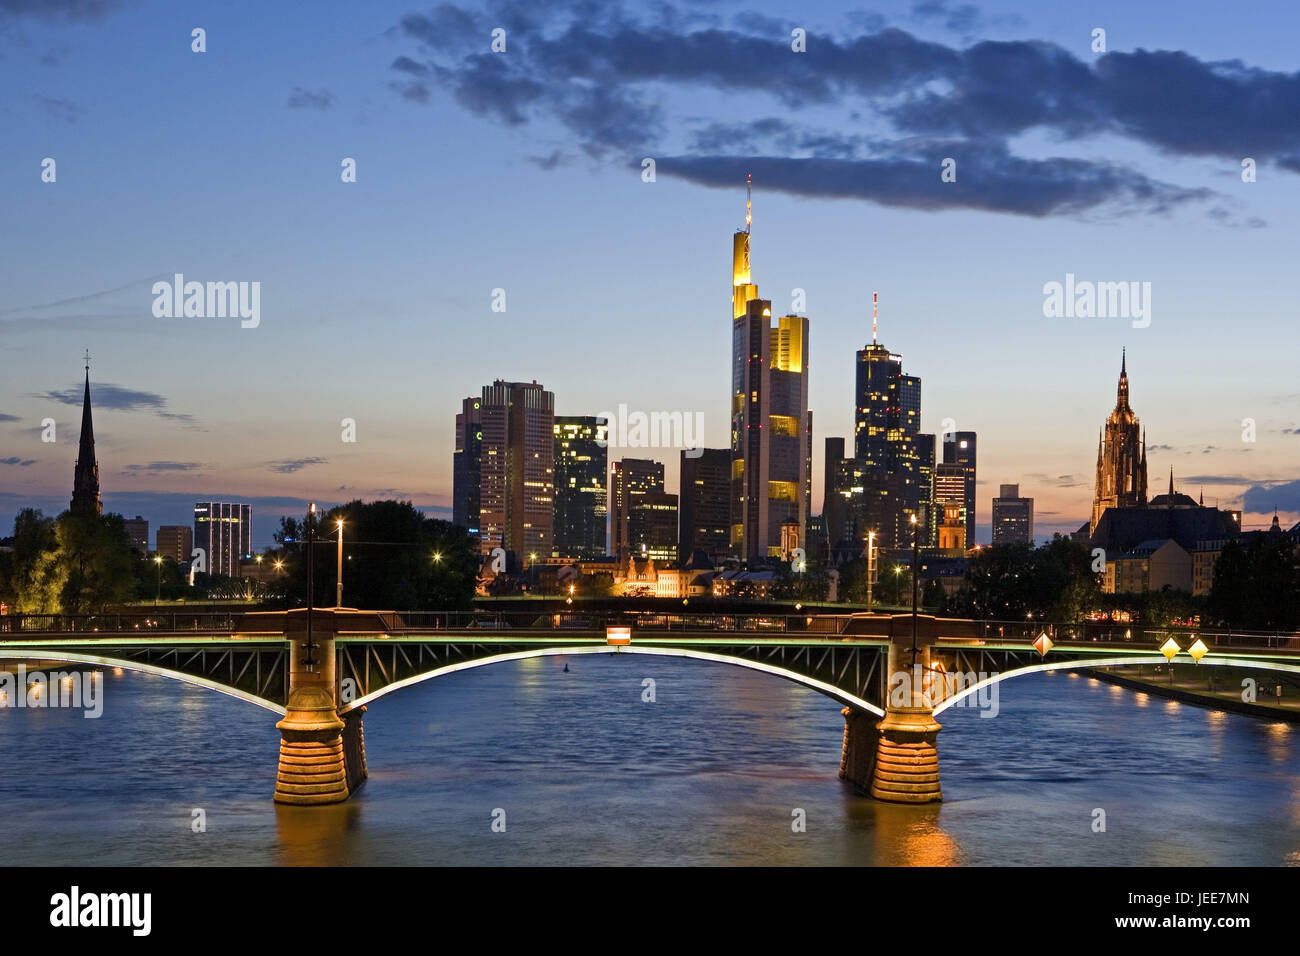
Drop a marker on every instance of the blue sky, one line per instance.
(521, 171)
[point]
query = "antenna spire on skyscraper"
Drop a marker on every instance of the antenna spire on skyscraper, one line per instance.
(749, 201)
(875, 302)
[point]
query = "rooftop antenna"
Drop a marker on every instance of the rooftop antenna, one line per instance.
(875, 303)
(749, 201)
(87, 360)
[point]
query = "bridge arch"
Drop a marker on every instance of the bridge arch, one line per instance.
(1107, 662)
(73, 657)
(830, 690)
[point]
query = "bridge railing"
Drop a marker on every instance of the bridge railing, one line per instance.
(1111, 632)
(143, 622)
(581, 620)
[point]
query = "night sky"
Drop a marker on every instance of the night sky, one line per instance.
(522, 171)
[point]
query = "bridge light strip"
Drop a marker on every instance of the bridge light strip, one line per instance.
(1246, 662)
(829, 690)
(53, 654)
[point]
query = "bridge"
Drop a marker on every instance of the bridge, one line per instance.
(894, 674)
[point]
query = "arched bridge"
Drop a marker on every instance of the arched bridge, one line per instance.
(321, 682)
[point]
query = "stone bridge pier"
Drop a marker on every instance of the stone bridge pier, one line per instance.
(322, 753)
(896, 759)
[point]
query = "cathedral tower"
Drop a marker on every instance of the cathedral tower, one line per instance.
(1121, 457)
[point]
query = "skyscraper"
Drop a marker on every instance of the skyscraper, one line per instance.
(516, 469)
(224, 531)
(1013, 517)
(959, 450)
(950, 492)
(704, 504)
(581, 499)
(465, 501)
(137, 529)
(770, 423)
(1121, 457)
(85, 476)
(630, 480)
(893, 461)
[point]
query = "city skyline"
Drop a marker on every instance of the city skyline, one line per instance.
(966, 312)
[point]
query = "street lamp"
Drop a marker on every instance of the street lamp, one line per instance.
(915, 552)
(157, 560)
(338, 593)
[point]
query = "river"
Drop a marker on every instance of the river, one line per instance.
(582, 770)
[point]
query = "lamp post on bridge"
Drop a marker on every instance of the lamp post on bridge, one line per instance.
(338, 592)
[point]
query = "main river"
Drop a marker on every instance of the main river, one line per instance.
(587, 772)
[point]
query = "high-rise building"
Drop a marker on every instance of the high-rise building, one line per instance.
(893, 462)
(465, 466)
(174, 541)
(652, 527)
(225, 533)
(630, 479)
(770, 424)
(1121, 457)
(581, 498)
(950, 491)
(834, 497)
(137, 529)
(704, 504)
(514, 439)
(959, 450)
(1013, 517)
(85, 476)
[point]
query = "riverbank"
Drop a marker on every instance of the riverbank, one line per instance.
(1198, 692)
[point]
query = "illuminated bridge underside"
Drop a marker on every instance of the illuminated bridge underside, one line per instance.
(851, 673)
(256, 673)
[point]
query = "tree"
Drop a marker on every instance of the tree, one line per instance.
(394, 558)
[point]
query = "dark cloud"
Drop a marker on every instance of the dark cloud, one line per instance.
(20, 462)
(9, 418)
(301, 99)
(607, 77)
(292, 465)
(104, 395)
(1284, 496)
(159, 466)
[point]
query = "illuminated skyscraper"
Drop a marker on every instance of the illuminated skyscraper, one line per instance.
(516, 469)
(893, 461)
(629, 480)
(959, 451)
(224, 530)
(581, 500)
(466, 462)
(770, 424)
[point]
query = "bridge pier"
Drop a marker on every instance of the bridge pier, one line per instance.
(861, 739)
(322, 755)
(906, 765)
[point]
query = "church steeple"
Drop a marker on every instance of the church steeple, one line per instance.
(1121, 398)
(1121, 456)
(85, 478)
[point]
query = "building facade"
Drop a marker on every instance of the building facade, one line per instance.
(581, 496)
(514, 428)
(224, 530)
(630, 480)
(137, 529)
(771, 428)
(959, 452)
(704, 504)
(1013, 517)
(175, 541)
